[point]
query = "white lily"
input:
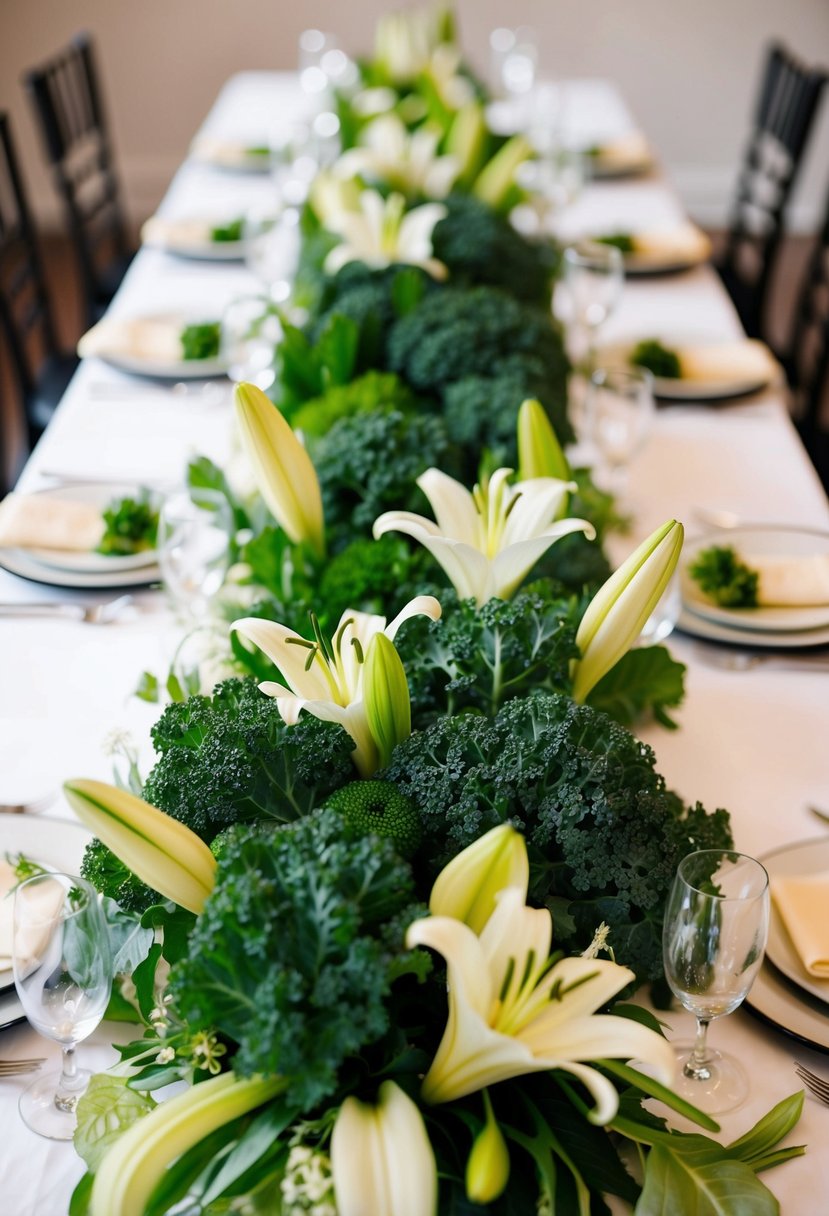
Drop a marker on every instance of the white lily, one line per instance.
(405, 40)
(404, 162)
(489, 540)
(381, 1158)
(330, 195)
(453, 89)
(382, 232)
(468, 887)
(325, 677)
(511, 1013)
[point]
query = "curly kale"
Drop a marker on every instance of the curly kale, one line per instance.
(230, 757)
(291, 958)
(724, 578)
(373, 576)
(480, 247)
(477, 658)
(372, 391)
(605, 834)
(112, 878)
(374, 301)
(368, 464)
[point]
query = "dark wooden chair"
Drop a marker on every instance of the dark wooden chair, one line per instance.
(40, 370)
(806, 357)
(67, 103)
(786, 107)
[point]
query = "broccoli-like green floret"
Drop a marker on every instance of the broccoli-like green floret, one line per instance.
(366, 296)
(604, 833)
(723, 577)
(290, 957)
(373, 576)
(481, 247)
(481, 411)
(368, 464)
(230, 757)
(378, 808)
(372, 391)
(111, 877)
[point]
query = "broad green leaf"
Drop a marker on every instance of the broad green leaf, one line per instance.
(336, 350)
(79, 1203)
(144, 979)
(407, 290)
(267, 1127)
(177, 1181)
(147, 688)
(107, 1108)
(130, 942)
(676, 1183)
(770, 1130)
(632, 1076)
(647, 679)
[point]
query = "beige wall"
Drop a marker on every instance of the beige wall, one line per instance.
(688, 71)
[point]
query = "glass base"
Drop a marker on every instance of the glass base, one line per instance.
(48, 1108)
(721, 1085)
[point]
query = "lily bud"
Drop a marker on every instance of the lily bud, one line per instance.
(162, 852)
(386, 697)
(286, 478)
(493, 183)
(617, 612)
(330, 195)
(539, 451)
(487, 1170)
(381, 1158)
(467, 888)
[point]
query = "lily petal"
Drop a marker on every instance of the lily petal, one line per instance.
(289, 657)
(421, 605)
(453, 505)
(512, 565)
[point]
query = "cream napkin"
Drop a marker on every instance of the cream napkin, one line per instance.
(790, 582)
(628, 151)
(8, 879)
(803, 902)
(157, 339)
(39, 521)
(684, 243)
(713, 362)
(41, 906)
(182, 234)
(226, 153)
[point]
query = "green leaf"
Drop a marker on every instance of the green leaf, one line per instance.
(407, 290)
(637, 1013)
(266, 1128)
(81, 1196)
(176, 924)
(643, 680)
(682, 1182)
(107, 1108)
(336, 351)
(632, 1076)
(770, 1130)
(176, 1181)
(130, 942)
(144, 979)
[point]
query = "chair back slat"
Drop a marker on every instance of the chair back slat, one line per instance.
(807, 357)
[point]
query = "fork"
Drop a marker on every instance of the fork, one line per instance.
(91, 614)
(816, 1085)
(746, 660)
(14, 1068)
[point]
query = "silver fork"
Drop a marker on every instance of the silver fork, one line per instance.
(816, 1085)
(746, 660)
(14, 1068)
(91, 614)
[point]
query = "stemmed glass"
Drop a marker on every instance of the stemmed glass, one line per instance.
(194, 530)
(714, 936)
(514, 60)
(594, 277)
(63, 974)
(620, 414)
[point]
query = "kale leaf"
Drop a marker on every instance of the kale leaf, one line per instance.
(723, 577)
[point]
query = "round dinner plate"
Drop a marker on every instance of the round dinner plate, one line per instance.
(119, 341)
(766, 620)
(807, 857)
(795, 1014)
(677, 389)
(184, 237)
(55, 843)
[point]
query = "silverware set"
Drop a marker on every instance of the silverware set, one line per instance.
(16, 1068)
(730, 658)
(89, 614)
(816, 1085)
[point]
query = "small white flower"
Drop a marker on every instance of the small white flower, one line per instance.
(599, 943)
(382, 233)
(307, 1186)
(404, 162)
(165, 1056)
(118, 742)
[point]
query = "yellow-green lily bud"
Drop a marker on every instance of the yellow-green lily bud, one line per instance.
(162, 852)
(386, 697)
(617, 612)
(330, 196)
(539, 451)
(487, 1170)
(495, 179)
(286, 478)
(467, 888)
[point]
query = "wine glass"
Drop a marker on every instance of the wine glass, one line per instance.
(272, 240)
(514, 60)
(251, 331)
(194, 528)
(553, 180)
(593, 278)
(714, 936)
(63, 975)
(620, 414)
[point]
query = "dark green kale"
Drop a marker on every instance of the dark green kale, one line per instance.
(604, 833)
(131, 525)
(112, 878)
(228, 232)
(724, 578)
(480, 247)
(371, 391)
(373, 576)
(644, 679)
(658, 359)
(622, 241)
(371, 299)
(290, 957)
(230, 758)
(201, 341)
(368, 464)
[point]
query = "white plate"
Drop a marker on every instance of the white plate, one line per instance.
(774, 1001)
(807, 857)
(758, 542)
(230, 155)
(59, 843)
(123, 342)
(188, 237)
(691, 389)
(697, 626)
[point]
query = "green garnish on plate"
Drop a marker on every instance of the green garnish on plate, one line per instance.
(131, 526)
(724, 578)
(658, 359)
(231, 231)
(622, 241)
(258, 150)
(201, 341)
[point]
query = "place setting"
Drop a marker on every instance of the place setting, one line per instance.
(658, 251)
(697, 369)
(164, 346)
(203, 238)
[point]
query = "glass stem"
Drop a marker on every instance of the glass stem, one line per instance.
(697, 1066)
(69, 1070)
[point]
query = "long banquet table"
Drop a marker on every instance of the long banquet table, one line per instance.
(752, 741)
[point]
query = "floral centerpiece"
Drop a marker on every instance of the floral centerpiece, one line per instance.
(384, 897)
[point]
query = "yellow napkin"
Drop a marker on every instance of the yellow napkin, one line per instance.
(684, 243)
(182, 234)
(628, 151)
(747, 360)
(154, 338)
(803, 902)
(790, 582)
(39, 521)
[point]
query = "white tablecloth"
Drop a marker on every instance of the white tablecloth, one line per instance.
(754, 742)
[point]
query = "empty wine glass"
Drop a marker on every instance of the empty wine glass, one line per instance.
(194, 529)
(251, 330)
(272, 240)
(620, 414)
(553, 181)
(714, 936)
(63, 974)
(514, 60)
(593, 278)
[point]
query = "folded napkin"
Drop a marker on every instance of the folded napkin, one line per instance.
(183, 233)
(8, 879)
(229, 153)
(627, 151)
(747, 360)
(41, 907)
(684, 243)
(39, 521)
(154, 338)
(803, 902)
(790, 582)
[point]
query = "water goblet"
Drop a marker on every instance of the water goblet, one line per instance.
(63, 975)
(714, 936)
(620, 414)
(194, 529)
(593, 278)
